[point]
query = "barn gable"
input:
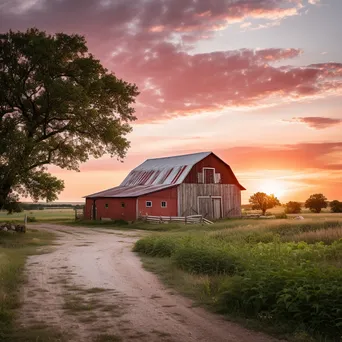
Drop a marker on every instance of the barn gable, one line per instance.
(215, 169)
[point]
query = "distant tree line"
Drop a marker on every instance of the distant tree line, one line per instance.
(17, 207)
(42, 206)
(315, 203)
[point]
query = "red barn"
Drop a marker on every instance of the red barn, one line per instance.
(199, 183)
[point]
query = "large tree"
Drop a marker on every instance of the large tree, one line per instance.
(58, 105)
(316, 203)
(262, 201)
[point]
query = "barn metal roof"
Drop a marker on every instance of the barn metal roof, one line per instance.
(130, 191)
(163, 171)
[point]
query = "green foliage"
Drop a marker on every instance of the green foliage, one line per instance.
(205, 260)
(14, 248)
(156, 246)
(307, 297)
(316, 203)
(12, 205)
(293, 207)
(335, 206)
(259, 272)
(262, 201)
(58, 105)
(31, 219)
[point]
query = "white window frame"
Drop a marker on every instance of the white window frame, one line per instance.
(203, 171)
(148, 206)
(161, 204)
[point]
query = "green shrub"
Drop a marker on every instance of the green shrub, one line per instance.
(281, 216)
(144, 245)
(31, 219)
(335, 206)
(156, 246)
(293, 207)
(205, 260)
(309, 297)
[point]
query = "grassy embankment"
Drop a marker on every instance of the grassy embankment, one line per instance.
(14, 249)
(282, 276)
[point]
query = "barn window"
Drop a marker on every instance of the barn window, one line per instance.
(148, 204)
(208, 175)
(123, 205)
(163, 204)
(106, 205)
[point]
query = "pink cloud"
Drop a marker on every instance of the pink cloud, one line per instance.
(316, 122)
(179, 83)
(150, 43)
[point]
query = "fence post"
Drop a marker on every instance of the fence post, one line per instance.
(185, 219)
(25, 220)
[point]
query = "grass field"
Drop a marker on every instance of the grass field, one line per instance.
(279, 275)
(14, 248)
(39, 215)
(283, 276)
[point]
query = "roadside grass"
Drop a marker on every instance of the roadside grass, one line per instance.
(14, 249)
(281, 276)
(46, 215)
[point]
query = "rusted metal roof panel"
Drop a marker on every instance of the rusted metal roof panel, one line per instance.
(130, 191)
(163, 171)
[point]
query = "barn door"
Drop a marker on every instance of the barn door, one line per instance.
(205, 207)
(216, 208)
(209, 207)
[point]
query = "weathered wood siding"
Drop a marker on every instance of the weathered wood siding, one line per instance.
(189, 193)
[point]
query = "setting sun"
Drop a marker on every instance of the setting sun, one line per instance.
(275, 187)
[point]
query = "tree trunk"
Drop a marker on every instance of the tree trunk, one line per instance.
(263, 212)
(4, 192)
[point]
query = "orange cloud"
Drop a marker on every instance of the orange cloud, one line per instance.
(316, 122)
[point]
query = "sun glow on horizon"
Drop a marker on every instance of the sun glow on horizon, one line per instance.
(276, 187)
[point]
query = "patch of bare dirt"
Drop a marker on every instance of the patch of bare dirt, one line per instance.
(92, 284)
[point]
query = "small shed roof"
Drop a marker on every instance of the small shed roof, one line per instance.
(162, 171)
(129, 191)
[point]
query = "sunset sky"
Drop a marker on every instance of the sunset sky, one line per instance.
(258, 82)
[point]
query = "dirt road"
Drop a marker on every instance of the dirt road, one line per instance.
(92, 287)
